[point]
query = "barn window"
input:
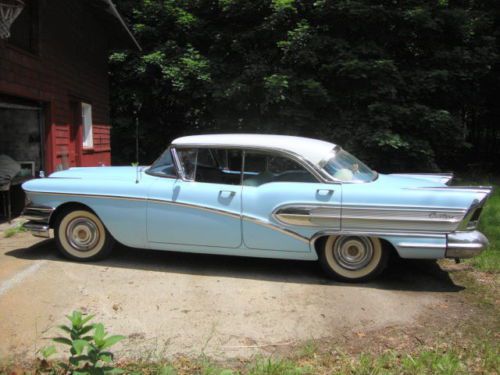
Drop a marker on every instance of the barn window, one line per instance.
(87, 125)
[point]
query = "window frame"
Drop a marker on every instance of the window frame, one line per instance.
(317, 174)
(180, 168)
(87, 143)
(274, 153)
(176, 175)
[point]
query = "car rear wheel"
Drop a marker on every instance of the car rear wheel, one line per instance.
(352, 258)
(80, 235)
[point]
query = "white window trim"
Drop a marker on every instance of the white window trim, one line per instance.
(87, 133)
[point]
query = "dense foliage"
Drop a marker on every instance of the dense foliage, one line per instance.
(402, 84)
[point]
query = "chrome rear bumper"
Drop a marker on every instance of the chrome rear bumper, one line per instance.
(38, 220)
(465, 244)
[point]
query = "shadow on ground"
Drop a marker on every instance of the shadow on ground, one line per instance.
(402, 274)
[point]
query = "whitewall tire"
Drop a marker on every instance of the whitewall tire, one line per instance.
(352, 258)
(80, 235)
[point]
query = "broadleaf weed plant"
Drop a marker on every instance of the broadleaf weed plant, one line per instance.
(88, 345)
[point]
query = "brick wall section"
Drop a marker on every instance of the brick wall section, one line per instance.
(71, 66)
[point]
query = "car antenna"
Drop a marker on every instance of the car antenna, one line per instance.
(136, 115)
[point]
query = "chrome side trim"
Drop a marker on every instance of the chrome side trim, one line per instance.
(188, 205)
(443, 178)
(308, 215)
(275, 227)
(196, 207)
(387, 217)
(459, 189)
(121, 197)
(401, 218)
(476, 205)
(368, 233)
(419, 245)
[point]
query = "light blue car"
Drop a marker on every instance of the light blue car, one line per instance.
(259, 196)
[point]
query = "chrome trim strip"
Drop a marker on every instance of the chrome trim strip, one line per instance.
(402, 218)
(459, 189)
(476, 204)
(275, 227)
(444, 177)
(307, 214)
(465, 246)
(385, 207)
(378, 233)
(196, 207)
(177, 164)
(414, 245)
(121, 197)
(188, 205)
(327, 215)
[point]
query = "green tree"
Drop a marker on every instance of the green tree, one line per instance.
(402, 84)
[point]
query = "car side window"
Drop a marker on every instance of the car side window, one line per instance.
(163, 166)
(261, 168)
(211, 165)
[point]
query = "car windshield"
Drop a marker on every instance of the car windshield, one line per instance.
(345, 167)
(163, 166)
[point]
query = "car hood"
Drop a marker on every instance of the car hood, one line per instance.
(100, 173)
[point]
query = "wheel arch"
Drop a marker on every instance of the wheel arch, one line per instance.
(65, 207)
(318, 242)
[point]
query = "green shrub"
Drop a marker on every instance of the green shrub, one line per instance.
(88, 346)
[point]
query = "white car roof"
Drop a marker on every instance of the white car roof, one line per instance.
(313, 150)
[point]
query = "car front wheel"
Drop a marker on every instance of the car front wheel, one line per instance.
(352, 258)
(80, 235)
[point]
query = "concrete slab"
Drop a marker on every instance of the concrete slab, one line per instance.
(170, 303)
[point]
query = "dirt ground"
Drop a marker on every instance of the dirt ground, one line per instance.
(224, 307)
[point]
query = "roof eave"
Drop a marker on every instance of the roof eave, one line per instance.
(114, 12)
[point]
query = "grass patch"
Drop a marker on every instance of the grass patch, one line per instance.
(468, 357)
(479, 358)
(10, 232)
(489, 224)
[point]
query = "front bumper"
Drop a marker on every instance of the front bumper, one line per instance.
(37, 229)
(465, 244)
(38, 220)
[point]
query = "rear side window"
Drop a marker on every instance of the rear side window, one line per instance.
(261, 168)
(211, 165)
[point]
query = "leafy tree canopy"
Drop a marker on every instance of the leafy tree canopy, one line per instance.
(399, 83)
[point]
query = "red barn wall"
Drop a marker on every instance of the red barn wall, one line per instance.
(69, 67)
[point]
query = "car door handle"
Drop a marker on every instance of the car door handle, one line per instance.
(226, 193)
(325, 192)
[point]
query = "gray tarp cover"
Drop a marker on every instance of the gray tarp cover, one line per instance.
(9, 168)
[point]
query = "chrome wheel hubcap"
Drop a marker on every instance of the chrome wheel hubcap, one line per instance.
(82, 234)
(353, 253)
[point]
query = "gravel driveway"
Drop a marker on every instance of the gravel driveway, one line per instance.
(224, 307)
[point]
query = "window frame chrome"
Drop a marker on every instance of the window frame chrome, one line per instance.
(317, 173)
(176, 176)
